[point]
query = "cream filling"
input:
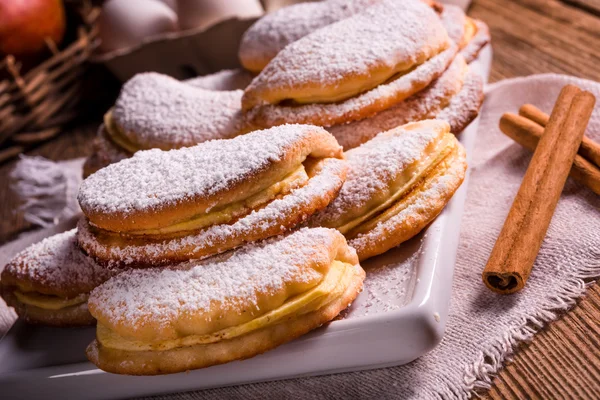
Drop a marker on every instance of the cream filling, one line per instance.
(333, 285)
(411, 197)
(116, 135)
(48, 302)
(410, 176)
(354, 87)
(469, 34)
(296, 179)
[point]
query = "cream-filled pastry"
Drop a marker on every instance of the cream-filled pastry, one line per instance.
(397, 183)
(271, 33)
(157, 111)
(454, 97)
(49, 282)
(229, 307)
(353, 68)
(468, 33)
(160, 207)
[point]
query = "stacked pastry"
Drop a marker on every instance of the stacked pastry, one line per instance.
(157, 111)
(407, 62)
(206, 244)
(397, 183)
(49, 282)
(390, 64)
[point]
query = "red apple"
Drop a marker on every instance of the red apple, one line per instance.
(24, 24)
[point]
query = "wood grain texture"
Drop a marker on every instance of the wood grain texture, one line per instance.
(563, 360)
(538, 36)
(529, 37)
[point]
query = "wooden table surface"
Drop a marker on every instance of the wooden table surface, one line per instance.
(528, 36)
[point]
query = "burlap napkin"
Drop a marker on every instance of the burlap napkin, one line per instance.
(483, 328)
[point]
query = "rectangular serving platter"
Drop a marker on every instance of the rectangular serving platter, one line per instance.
(400, 315)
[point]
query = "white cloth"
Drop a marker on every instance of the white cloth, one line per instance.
(483, 328)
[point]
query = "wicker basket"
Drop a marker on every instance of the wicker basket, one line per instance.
(34, 106)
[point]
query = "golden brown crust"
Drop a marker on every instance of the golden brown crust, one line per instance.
(414, 211)
(54, 266)
(239, 348)
(456, 97)
(312, 142)
(351, 56)
(423, 105)
(279, 216)
(465, 106)
(66, 317)
(358, 107)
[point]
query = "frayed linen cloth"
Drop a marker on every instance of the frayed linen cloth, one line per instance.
(483, 328)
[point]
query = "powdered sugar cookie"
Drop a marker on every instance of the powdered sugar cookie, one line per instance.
(454, 97)
(229, 307)
(397, 183)
(271, 33)
(161, 207)
(49, 282)
(157, 111)
(374, 60)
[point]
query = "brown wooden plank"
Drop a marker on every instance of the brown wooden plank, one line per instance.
(537, 36)
(591, 6)
(562, 361)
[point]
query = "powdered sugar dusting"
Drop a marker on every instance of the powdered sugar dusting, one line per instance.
(227, 79)
(270, 34)
(375, 166)
(230, 282)
(454, 19)
(154, 178)
(386, 34)
(464, 107)
(387, 287)
(481, 38)
(157, 111)
(435, 194)
(57, 264)
(425, 104)
(357, 107)
(271, 217)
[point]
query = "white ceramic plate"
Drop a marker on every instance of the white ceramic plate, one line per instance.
(400, 316)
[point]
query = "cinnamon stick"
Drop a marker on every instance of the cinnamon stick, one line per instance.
(527, 133)
(588, 149)
(520, 239)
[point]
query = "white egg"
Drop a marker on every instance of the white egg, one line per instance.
(126, 23)
(204, 13)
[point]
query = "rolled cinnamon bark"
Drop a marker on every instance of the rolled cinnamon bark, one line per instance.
(520, 239)
(588, 149)
(527, 133)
